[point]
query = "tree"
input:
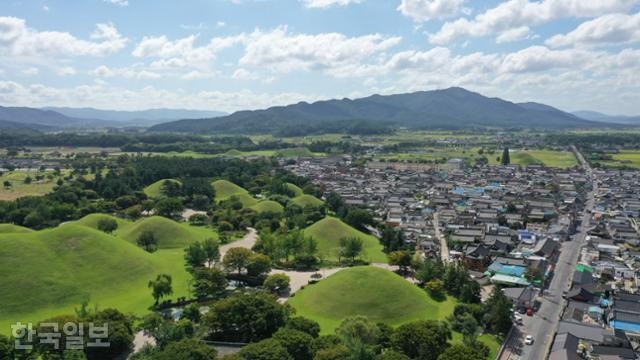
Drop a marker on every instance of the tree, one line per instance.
(28, 180)
(160, 287)
(201, 254)
(6, 348)
(209, 282)
(506, 160)
(358, 329)
(334, 202)
(107, 225)
(358, 218)
(422, 340)
(258, 265)
(303, 324)
(460, 352)
(187, 349)
(246, 317)
(169, 207)
(497, 316)
(7, 184)
(297, 343)
(120, 334)
(350, 247)
(237, 259)
(402, 259)
(435, 288)
(392, 355)
(269, 349)
(336, 352)
(147, 240)
(277, 283)
(470, 292)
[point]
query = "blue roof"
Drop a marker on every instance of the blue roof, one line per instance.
(512, 270)
(626, 326)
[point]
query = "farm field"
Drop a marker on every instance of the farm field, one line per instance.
(549, 158)
(18, 187)
(328, 232)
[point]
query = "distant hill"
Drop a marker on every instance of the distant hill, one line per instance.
(600, 117)
(140, 118)
(31, 118)
(453, 108)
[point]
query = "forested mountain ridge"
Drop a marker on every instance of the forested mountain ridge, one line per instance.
(453, 108)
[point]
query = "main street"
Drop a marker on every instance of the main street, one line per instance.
(544, 323)
(444, 247)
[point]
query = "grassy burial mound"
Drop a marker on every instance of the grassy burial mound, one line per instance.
(48, 273)
(330, 230)
(168, 233)
(13, 229)
(155, 189)
(297, 191)
(268, 206)
(92, 221)
(225, 189)
(304, 200)
(377, 293)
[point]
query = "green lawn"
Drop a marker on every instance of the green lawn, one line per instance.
(328, 232)
(304, 200)
(168, 233)
(13, 229)
(49, 272)
(155, 189)
(377, 293)
(268, 206)
(550, 158)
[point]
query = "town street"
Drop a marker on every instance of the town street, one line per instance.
(543, 324)
(444, 247)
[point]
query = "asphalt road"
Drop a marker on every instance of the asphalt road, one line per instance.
(543, 324)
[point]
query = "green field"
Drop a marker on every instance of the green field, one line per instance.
(630, 158)
(377, 293)
(49, 272)
(20, 189)
(268, 206)
(155, 189)
(304, 200)
(13, 229)
(549, 158)
(328, 232)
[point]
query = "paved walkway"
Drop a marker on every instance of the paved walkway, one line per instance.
(246, 242)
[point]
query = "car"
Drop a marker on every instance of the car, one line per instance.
(517, 319)
(522, 310)
(528, 340)
(529, 312)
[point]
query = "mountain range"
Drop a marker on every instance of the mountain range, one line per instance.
(53, 118)
(600, 117)
(447, 109)
(450, 109)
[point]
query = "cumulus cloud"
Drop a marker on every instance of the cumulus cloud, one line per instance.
(513, 14)
(118, 2)
(18, 40)
(31, 71)
(612, 29)
(281, 51)
(425, 10)
(323, 4)
(132, 72)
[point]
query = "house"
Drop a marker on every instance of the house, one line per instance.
(522, 297)
(477, 257)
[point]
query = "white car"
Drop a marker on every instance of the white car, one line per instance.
(517, 319)
(528, 340)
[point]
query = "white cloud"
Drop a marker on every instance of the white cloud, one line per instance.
(197, 75)
(514, 34)
(66, 71)
(31, 71)
(323, 4)
(514, 14)
(425, 10)
(221, 24)
(118, 2)
(17, 40)
(242, 74)
(609, 29)
(281, 51)
(132, 72)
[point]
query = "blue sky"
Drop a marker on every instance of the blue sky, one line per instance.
(245, 54)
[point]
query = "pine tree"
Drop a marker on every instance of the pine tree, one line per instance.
(505, 156)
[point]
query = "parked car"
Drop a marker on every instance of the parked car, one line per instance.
(528, 340)
(517, 319)
(529, 312)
